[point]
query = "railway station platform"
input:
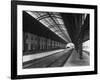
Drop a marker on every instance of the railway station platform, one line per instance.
(46, 35)
(49, 59)
(57, 58)
(74, 59)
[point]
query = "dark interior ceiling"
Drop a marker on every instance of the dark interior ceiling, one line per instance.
(86, 27)
(73, 22)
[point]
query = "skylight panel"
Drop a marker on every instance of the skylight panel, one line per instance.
(42, 13)
(58, 20)
(51, 20)
(43, 21)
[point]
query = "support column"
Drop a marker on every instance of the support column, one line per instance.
(80, 44)
(80, 51)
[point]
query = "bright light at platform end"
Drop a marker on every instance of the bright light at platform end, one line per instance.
(70, 45)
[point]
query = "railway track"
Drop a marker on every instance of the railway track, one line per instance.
(54, 60)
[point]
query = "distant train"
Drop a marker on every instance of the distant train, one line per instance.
(34, 43)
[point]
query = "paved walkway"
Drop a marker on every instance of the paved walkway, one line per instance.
(75, 61)
(39, 55)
